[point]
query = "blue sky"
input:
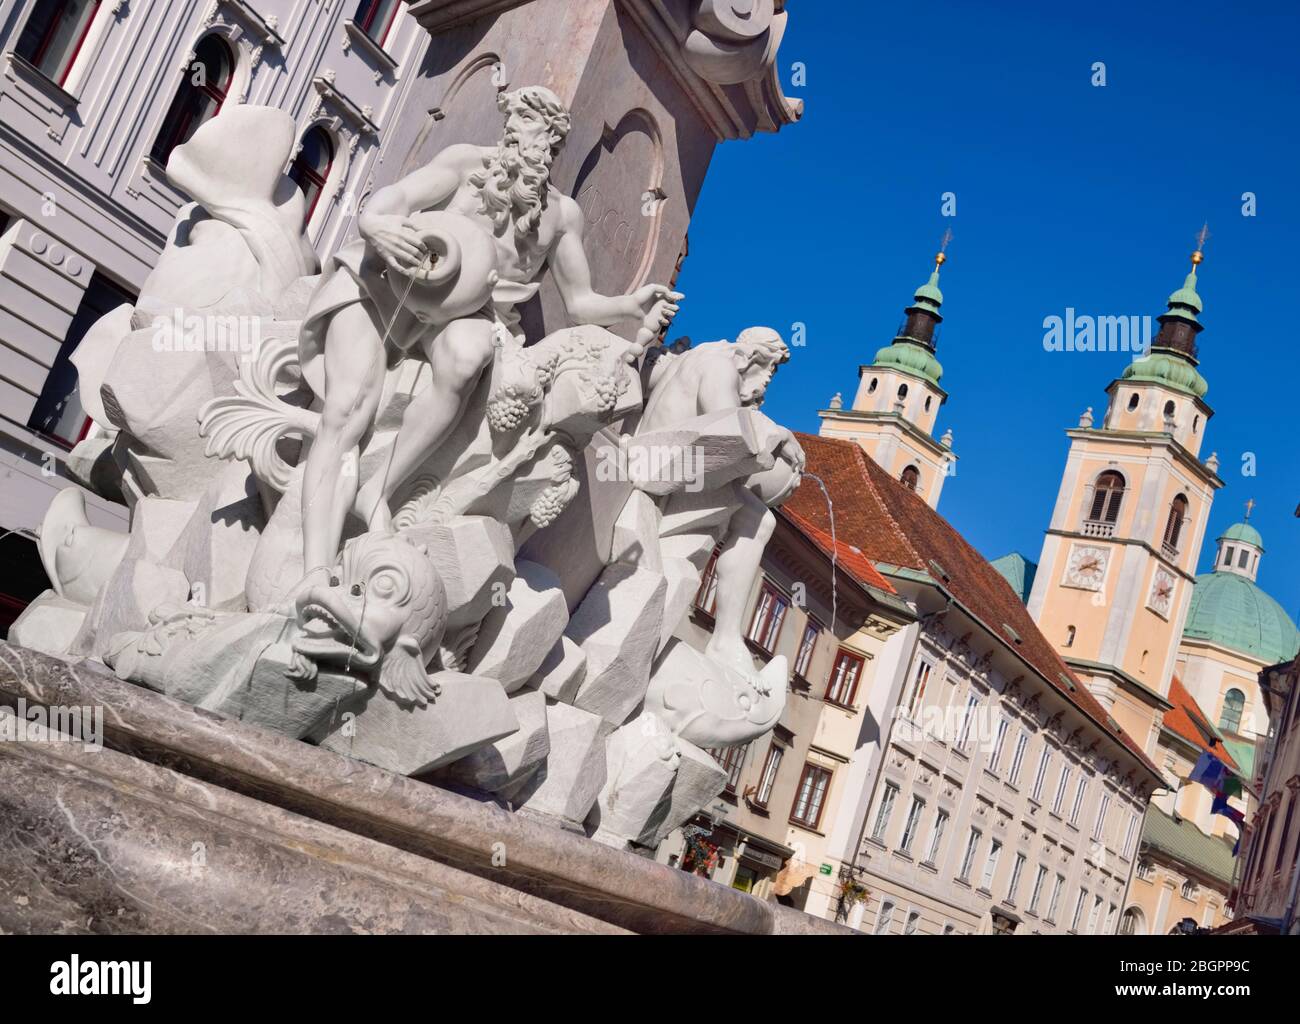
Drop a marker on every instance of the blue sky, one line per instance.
(1067, 195)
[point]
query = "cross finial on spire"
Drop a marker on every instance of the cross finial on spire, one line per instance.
(1201, 237)
(942, 257)
(1250, 505)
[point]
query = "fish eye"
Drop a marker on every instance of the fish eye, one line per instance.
(356, 589)
(334, 581)
(385, 584)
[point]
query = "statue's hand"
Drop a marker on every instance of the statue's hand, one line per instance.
(396, 240)
(793, 453)
(658, 304)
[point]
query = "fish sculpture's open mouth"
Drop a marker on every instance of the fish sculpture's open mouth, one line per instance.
(328, 636)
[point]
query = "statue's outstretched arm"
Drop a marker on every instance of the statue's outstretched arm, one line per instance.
(654, 304)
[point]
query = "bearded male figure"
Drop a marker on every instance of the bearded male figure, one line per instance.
(503, 196)
(713, 377)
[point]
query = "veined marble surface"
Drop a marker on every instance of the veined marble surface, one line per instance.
(190, 822)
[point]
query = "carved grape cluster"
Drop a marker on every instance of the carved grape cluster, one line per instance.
(507, 410)
(607, 390)
(548, 505)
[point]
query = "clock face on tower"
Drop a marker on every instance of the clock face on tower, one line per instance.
(1162, 592)
(1086, 568)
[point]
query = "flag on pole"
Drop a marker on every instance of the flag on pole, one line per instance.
(1221, 806)
(1210, 772)
(1214, 775)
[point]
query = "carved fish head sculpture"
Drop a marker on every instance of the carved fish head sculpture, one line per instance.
(383, 608)
(712, 704)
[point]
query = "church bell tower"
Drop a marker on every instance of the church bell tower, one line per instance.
(897, 402)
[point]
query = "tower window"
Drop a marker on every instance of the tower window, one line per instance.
(871, 388)
(1070, 633)
(200, 97)
(1196, 424)
(1107, 496)
(911, 478)
(928, 400)
(54, 34)
(1169, 410)
(1234, 701)
(1242, 558)
(1174, 524)
(375, 18)
(1133, 401)
(311, 167)
(902, 391)
(1227, 558)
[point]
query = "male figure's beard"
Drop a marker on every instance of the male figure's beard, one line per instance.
(513, 186)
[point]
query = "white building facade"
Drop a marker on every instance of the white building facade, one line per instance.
(94, 94)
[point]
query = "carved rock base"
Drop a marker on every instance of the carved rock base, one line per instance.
(190, 822)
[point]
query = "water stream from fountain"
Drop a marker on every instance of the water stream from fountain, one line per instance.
(835, 547)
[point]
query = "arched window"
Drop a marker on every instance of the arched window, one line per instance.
(1107, 496)
(202, 92)
(375, 18)
(871, 388)
(911, 478)
(54, 34)
(311, 167)
(1133, 401)
(902, 391)
(1131, 922)
(1234, 701)
(1070, 634)
(884, 917)
(1174, 524)
(928, 400)
(1169, 409)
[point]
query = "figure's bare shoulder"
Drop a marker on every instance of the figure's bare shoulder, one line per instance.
(570, 213)
(711, 358)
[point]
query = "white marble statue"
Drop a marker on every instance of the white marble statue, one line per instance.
(717, 377)
(390, 527)
(502, 225)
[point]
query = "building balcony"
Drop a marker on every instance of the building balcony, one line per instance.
(1092, 528)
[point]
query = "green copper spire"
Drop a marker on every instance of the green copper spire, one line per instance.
(1172, 359)
(912, 351)
(928, 296)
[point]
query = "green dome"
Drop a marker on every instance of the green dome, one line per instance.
(1233, 612)
(1245, 533)
(928, 295)
(1170, 370)
(910, 358)
(1186, 296)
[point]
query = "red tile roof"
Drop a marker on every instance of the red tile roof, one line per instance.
(1187, 720)
(894, 527)
(848, 557)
